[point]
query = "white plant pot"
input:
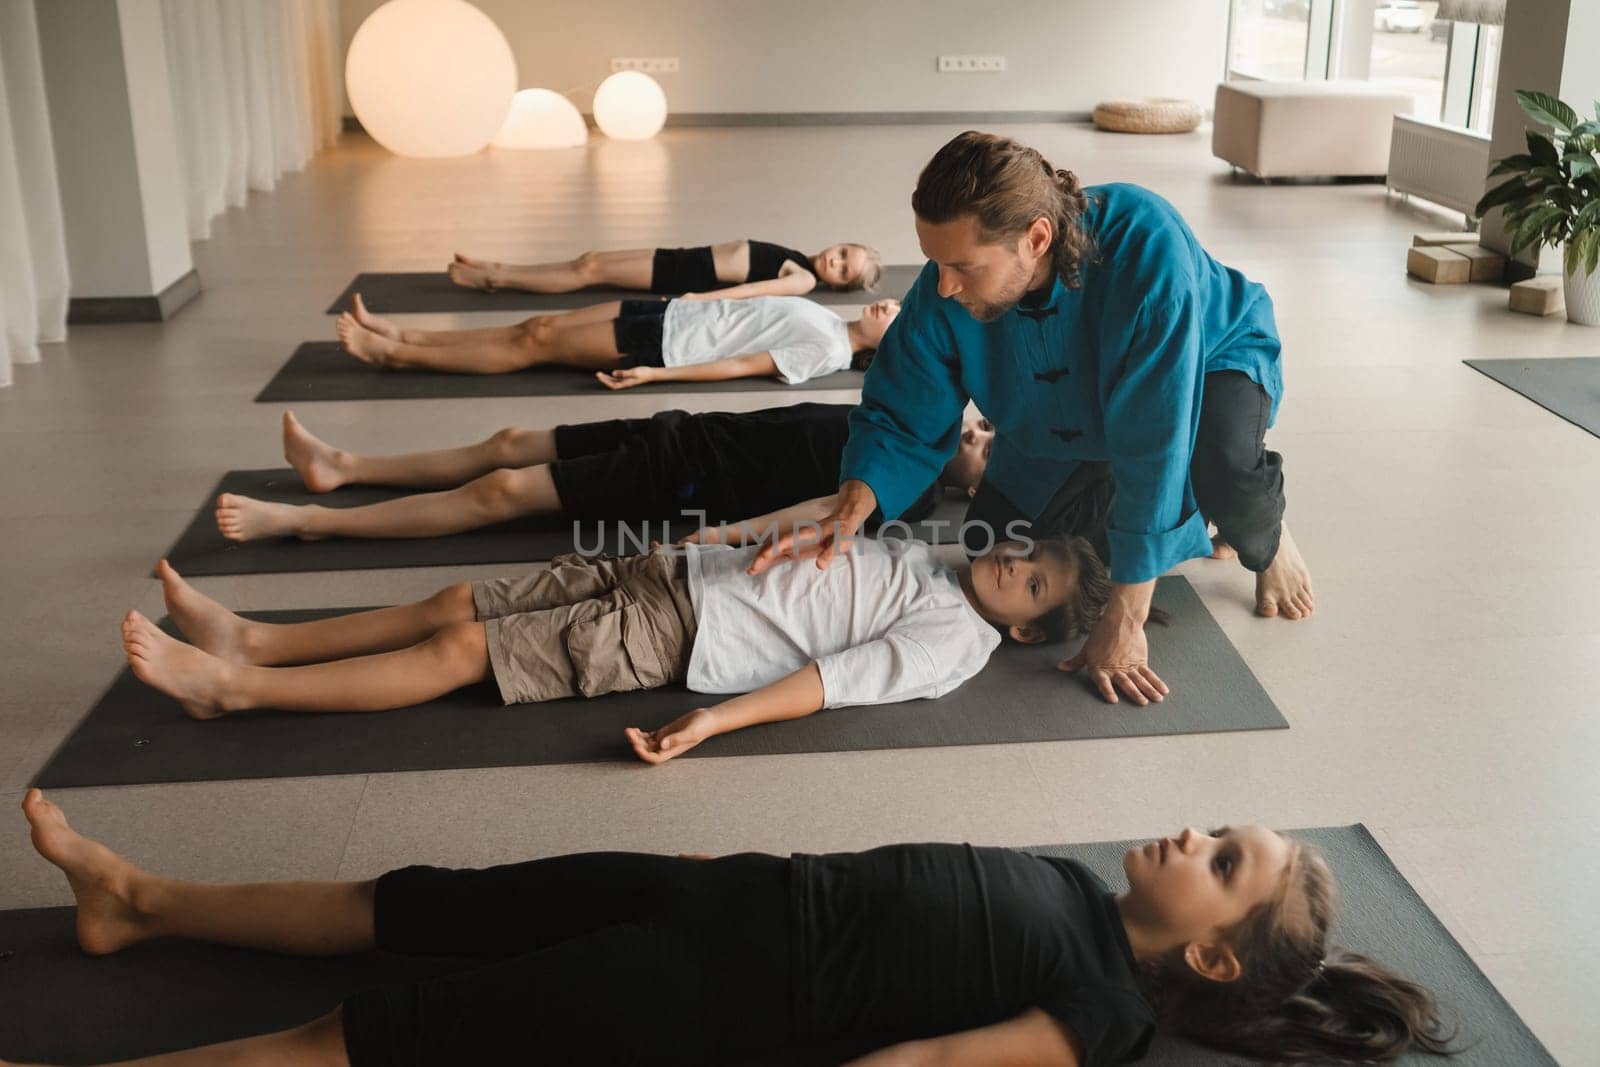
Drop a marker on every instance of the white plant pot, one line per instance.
(1583, 297)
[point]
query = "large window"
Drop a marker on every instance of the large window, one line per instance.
(1269, 39)
(1409, 50)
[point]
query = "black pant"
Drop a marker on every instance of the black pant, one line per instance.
(1237, 482)
(612, 958)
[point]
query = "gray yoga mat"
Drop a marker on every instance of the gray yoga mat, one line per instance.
(1568, 386)
(60, 1006)
(406, 292)
(321, 370)
(201, 550)
(134, 734)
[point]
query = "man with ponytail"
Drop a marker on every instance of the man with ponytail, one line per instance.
(1130, 378)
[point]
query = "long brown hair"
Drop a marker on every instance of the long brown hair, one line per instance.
(1006, 185)
(1297, 999)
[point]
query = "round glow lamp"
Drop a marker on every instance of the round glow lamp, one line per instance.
(430, 77)
(542, 119)
(630, 106)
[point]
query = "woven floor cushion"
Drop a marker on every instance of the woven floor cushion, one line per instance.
(1154, 114)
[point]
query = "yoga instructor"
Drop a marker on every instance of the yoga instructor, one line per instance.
(1130, 378)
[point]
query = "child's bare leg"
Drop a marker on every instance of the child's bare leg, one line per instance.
(587, 346)
(208, 687)
(500, 495)
(319, 1043)
(323, 467)
(626, 270)
(218, 631)
(120, 905)
(495, 356)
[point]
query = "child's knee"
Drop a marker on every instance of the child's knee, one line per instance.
(536, 335)
(503, 444)
(453, 604)
(463, 650)
(590, 266)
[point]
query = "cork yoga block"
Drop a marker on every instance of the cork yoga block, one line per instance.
(1454, 237)
(1440, 266)
(1487, 264)
(1539, 296)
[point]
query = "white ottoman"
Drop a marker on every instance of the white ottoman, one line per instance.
(1306, 129)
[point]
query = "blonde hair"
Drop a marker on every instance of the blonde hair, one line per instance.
(871, 270)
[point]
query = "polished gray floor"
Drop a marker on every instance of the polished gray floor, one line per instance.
(1443, 694)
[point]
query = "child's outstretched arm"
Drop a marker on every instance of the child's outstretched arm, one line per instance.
(1033, 1037)
(772, 525)
(793, 697)
(752, 365)
(798, 283)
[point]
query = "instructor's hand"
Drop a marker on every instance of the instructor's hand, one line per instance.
(835, 530)
(1117, 657)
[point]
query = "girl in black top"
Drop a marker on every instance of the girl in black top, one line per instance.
(732, 269)
(931, 953)
(724, 465)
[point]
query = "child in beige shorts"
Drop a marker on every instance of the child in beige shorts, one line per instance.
(887, 622)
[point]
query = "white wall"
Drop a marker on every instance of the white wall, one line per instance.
(867, 55)
(155, 139)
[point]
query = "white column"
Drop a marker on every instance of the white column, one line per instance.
(1548, 46)
(106, 76)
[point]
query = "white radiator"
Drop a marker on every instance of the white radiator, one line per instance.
(1444, 164)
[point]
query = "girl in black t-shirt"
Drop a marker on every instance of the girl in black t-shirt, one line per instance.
(733, 269)
(930, 953)
(726, 466)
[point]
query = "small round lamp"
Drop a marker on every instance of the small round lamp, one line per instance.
(630, 106)
(430, 77)
(540, 118)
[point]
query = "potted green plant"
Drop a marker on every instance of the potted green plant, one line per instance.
(1553, 197)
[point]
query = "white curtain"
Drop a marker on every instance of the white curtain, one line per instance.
(33, 244)
(255, 94)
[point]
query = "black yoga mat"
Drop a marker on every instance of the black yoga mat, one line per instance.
(321, 370)
(402, 293)
(201, 550)
(1568, 386)
(134, 734)
(60, 1006)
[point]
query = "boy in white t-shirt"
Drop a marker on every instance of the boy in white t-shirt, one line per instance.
(632, 342)
(887, 622)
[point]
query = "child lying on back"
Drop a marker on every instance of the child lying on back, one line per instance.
(889, 622)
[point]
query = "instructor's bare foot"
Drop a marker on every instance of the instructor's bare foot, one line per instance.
(102, 881)
(376, 323)
(1220, 549)
(195, 679)
(473, 273)
(243, 518)
(362, 343)
(1284, 588)
(321, 466)
(207, 624)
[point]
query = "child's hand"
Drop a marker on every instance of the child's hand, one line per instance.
(673, 739)
(625, 377)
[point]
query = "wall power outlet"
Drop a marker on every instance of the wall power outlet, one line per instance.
(655, 65)
(972, 64)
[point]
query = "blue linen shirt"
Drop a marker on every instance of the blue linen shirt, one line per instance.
(1112, 370)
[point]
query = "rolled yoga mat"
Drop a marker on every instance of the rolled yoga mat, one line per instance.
(407, 292)
(60, 1006)
(1568, 386)
(134, 734)
(202, 550)
(321, 370)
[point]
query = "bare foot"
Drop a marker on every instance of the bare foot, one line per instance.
(102, 881)
(473, 273)
(368, 347)
(376, 323)
(321, 466)
(243, 518)
(1220, 549)
(1284, 588)
(194, 678)
(207, 624)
